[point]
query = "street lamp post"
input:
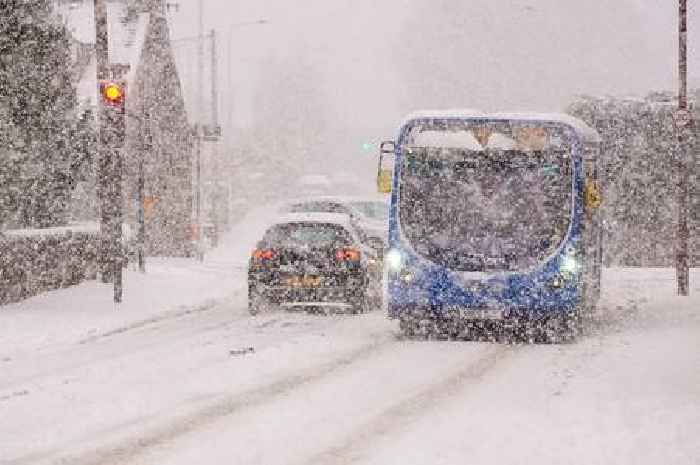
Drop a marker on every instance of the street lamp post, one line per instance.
(684, 122)
(202, 132)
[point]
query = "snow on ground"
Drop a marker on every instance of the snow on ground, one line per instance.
(628, 394)
(181, 374)
(171, 287)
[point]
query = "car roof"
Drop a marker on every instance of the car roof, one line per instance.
(339, 219)
(342, 199)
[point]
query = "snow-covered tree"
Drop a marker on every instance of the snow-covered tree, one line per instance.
(640, 175)
(38, 104)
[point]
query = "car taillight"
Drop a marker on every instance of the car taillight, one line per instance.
(350, 255)
(263, 254)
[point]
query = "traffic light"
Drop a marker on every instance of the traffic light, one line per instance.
(113, 94)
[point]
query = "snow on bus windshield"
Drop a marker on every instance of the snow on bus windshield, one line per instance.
(459, 207)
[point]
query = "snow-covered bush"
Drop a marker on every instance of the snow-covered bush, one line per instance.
(640, 177)
(39, 260)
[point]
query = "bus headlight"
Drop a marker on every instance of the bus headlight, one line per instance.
(394, 260)
(569, 267)
(569, 264)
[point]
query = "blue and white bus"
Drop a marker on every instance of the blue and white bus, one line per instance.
(493, 222)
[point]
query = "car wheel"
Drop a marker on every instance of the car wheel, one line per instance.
(377, 296)
(561, 329)
(256, 302)
(361, 303)
(408, 327)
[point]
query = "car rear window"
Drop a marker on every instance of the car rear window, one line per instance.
(314, 234)
(318, 206)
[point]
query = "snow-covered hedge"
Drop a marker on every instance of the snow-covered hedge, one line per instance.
(35, 261)
(640, 177)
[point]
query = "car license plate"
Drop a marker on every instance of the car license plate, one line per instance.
(303, 281)
(483, 313)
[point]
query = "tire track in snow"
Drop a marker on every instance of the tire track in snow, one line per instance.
(76, 356)
(163, 317)
(406, 411)
(165, 430)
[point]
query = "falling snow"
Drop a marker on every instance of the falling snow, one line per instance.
(408, 231)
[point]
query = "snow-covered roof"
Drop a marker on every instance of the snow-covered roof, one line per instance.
(447, 139)
(588, 133)
(126, 32)
(79, 19)
(87, 227)
(126, 36)
(80, 227)
(438, 114)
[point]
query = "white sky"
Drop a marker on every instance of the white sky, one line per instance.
(380, 59)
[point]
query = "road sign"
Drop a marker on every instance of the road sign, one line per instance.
(682, 118)
(149, 204)
(211, 133)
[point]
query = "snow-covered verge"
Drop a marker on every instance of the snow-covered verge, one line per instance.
(83, 227)
(171, 287)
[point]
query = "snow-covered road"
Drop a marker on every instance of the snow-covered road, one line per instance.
(213, 385)
(181, 374)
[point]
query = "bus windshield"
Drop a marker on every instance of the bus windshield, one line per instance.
(486, 209)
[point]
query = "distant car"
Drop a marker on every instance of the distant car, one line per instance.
(313, 260)
(374, 216)
(368, 214)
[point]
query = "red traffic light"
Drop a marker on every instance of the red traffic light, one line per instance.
(112, 93)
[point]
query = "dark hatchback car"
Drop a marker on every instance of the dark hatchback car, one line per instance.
(313, 260)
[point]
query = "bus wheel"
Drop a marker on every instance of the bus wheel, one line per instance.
(408, 327)
(445, 329)
(560, 329)
(587, 319)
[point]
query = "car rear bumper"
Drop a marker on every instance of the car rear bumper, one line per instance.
(301, 296)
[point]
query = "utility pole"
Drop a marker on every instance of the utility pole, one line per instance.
(198, 131)
(112, 130)
(101, 59)
(198, 192)
(117, 166)
(683, 121)
(214, 90)
(215, 143)
(141, 194)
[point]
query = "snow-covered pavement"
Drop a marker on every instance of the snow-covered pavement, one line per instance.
(199, 381)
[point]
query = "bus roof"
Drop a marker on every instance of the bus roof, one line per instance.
(587, 133)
